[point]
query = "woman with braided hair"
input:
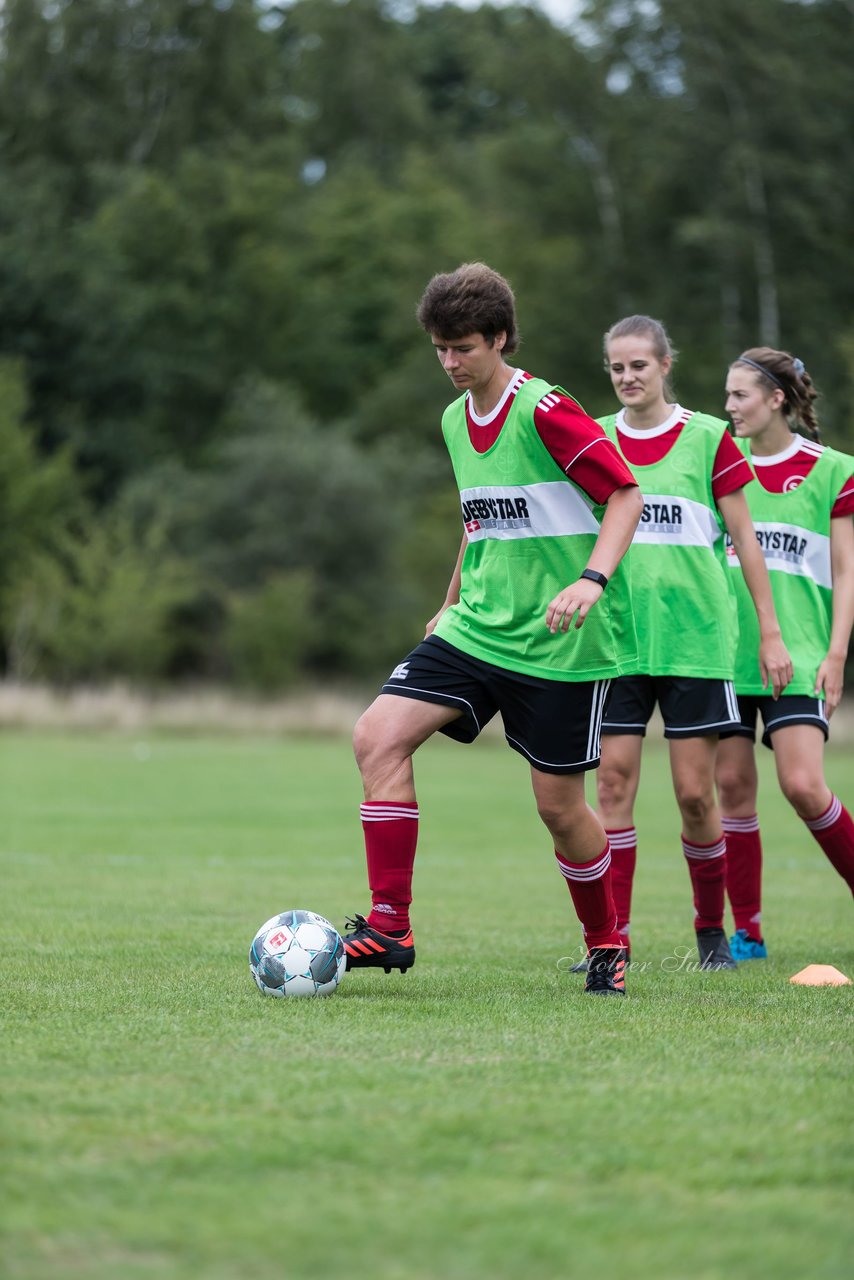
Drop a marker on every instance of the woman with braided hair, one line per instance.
(801, 507)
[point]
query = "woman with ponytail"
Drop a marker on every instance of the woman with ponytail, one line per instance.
(801, 507)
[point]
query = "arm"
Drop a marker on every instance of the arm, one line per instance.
(622, 512)
(775, 664)
(452, 595)
(829, 676)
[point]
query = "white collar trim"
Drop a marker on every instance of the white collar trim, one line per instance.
(510, 390)
(798, 444)
(676, 416)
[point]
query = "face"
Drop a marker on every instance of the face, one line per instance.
(750, 405)
(637, 374)
(470, 362)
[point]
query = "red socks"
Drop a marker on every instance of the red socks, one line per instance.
(391, 834)
(834, 831)
(624, 856)
(707, 865)
(744, 873)
(589, 884)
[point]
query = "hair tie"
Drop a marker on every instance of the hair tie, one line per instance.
(798, 366)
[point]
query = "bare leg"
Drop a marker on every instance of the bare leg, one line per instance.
(736, 777)
(799, 757)
(618, 778)
(692, 764)
(387, 736)
(575, 830)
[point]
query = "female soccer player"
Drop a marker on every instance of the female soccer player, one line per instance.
(692, 475)
(802, 508)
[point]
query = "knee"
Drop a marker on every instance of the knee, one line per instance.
(559, 816)
(735, 789)
(363, 738)
(696, 803)
(805, 793)
(371, 745)
(614, 787)
(551, 815)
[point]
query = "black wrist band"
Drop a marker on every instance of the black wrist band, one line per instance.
(593, 576)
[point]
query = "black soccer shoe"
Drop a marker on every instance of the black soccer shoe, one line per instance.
(584, 964)
(367, 948)
(606, 972)
(714, 950)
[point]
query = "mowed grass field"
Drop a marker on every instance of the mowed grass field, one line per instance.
(475, 1118)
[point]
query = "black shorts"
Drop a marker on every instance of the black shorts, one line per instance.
(690, 708)
(554, 724)
(796, 708)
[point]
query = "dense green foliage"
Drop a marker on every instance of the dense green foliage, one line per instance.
(476, 1117)
(216, 219)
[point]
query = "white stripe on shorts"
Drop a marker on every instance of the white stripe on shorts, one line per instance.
(594, 736)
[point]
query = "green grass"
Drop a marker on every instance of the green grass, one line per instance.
(476, 1117)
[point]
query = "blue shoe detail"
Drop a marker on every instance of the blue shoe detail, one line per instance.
(743, 947)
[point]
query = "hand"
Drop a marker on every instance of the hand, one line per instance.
(775, 665)
(579, 597)
(829, 679)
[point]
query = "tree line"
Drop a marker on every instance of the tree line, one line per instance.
(219, 444)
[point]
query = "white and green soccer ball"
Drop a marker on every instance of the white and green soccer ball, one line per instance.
(297, 953)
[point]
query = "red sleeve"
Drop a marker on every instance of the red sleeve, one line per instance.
(731, 470)
(580, 447)
(844, 504)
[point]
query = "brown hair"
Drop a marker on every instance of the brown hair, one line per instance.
(780, 371)
(646, 327)
(472, 299)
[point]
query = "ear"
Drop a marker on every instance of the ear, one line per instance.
(500, 339)
(666, 365)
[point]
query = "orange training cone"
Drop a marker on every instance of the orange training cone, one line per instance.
(820, 975)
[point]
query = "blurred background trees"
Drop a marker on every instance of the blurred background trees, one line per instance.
(219, 444)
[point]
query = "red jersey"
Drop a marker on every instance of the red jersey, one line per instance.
(782, 472)
(731, 469)
(575, 441)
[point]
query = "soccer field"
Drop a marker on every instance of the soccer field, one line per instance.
(474, 1118)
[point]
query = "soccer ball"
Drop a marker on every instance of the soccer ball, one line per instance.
(297, 953)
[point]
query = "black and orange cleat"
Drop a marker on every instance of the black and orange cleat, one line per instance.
(368, 948)
(583, 964)
(606, 971)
